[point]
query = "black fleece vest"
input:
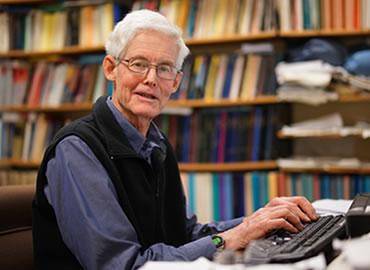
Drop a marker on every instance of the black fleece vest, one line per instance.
(152, 198)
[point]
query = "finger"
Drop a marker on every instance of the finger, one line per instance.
(289, 216)
(281, 223)
(306, 207)
(301, 214)
(295, 209)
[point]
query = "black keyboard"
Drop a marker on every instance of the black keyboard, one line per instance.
(282, 246)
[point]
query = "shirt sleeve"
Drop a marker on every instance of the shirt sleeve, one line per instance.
(197, 230)
(92, 223)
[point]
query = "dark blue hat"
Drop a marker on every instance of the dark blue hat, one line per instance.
(317, 48)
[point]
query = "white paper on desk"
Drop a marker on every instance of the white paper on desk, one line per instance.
(314, 263)
(355, 252)
(331, 207)
(199, 264)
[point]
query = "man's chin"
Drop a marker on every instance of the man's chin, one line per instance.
(147, 113)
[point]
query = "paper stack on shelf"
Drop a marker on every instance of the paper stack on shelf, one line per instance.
(327, 125)
(321, 163)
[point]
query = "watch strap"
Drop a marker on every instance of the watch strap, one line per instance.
(218, 241)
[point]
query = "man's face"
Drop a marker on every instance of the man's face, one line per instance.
(142, 96)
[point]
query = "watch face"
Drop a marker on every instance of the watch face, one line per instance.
(218, 241)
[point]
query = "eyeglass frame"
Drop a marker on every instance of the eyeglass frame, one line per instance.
(126, 62)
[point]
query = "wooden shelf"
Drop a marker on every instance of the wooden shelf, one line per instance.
(228, 167)
(230, 39)
(331, 170)
(323, 33)
(199, 103)
(329, 135)
(190, 103)
(217, 167)
(21, 2)
(86, 107)
(185, 167)
(73, 50)
(354, 98)
(19, 164)
(64, 108)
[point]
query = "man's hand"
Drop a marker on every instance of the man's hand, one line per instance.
(301, 206)
(286, 213)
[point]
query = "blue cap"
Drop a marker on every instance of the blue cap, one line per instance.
(359, 63)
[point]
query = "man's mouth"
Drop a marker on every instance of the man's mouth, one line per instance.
(146, 95)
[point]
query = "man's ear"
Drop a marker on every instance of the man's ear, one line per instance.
(177, 81)
(109, 67)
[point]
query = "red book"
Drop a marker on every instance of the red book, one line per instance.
(172, 133)
(356, 14)
(316, 187)
(346, 187)
(37, 84)
(281, 184)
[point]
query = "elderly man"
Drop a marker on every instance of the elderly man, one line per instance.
(109, 194)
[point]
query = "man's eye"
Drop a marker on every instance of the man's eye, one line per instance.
(164, 68)
(139, 64)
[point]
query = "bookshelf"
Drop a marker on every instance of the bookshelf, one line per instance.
(281, 181)
(68, 51)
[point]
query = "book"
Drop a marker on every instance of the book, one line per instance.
(37, 83)
(272, 177)
(229, 75)
(58, 85)
(257, 132)
(28, 136)
(220, 77)
(250, 77)
(246, 16)
(203, 195)
(237, 77)
(211, 77)
(39, 138)
(216, 196)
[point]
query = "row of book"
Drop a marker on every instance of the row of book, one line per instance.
(224, 135)
(300, 15)
(242, 75)
(219, 18)
(17, 177)
(53, 27)
(51, 83)
(24, 137)
(221, 196)
(212, 18)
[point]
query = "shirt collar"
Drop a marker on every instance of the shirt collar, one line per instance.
(139, 143)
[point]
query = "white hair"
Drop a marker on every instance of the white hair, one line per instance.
(138, 21)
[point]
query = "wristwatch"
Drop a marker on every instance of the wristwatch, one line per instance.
(218, 241)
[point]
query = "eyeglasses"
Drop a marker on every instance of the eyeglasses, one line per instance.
(142, 66)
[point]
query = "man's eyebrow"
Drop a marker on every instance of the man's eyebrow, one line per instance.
(161, 62)
(166, 62)
(138, 57)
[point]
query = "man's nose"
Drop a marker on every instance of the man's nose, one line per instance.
(151, 76)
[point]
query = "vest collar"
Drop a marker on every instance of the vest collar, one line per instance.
(117, 143)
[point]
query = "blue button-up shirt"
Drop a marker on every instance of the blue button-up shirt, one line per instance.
(91, 221)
